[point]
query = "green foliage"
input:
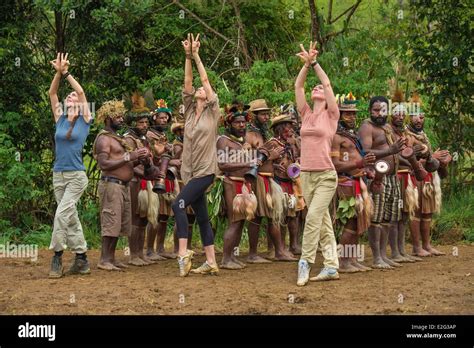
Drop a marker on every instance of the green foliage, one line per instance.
(441, 50)
(456, 217)
(120, 46)
(345, 210)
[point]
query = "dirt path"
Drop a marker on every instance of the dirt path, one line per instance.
(438, 285)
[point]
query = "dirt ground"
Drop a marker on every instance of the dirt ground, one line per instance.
(437, 285)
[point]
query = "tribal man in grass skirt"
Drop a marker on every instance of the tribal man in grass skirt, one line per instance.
(162, 151)
(351, 162)
(429, 189)
(408, 189)
(234, 160)
(256, 135)
(143, 199)
(301, 209)
(283, 128)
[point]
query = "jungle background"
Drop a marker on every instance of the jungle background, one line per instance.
(367, 47)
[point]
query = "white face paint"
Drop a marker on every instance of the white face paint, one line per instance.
(383, 109)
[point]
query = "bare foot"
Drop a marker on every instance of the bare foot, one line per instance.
(434, 252)
(407, 258)
(360, 266)
(155, 257)
(107, 266)
(400, 258)
(421, 253)
(120, 264)
(347, 267)
(390, 262)
(237, 261)
(271, 254)
(168, 255)
(414, 258)
(295, 251)
(136, 261)
(146, 260)
(380, 264)
(285, 257)
(230, 265)
(257, 259)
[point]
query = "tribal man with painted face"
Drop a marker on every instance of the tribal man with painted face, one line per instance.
(138, 120)
(162, 151)
(351, 162)
(234, 159)
(409, 192)
(283, 129)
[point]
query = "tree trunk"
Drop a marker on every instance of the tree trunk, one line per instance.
(58, 16)
(315, 26)
(242, 42)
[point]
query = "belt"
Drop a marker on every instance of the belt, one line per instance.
(114, 180)
(235, 178)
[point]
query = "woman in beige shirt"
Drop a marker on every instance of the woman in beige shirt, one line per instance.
(199, 161)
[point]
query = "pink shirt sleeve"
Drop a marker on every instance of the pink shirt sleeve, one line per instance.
(304, 110)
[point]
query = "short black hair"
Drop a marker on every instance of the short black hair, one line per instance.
(378, 98)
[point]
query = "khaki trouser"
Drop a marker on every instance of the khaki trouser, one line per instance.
(318, 191)
(67, 231)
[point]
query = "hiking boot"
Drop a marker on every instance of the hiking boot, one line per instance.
(56, 267)
(326, 274)
(185, 263)
(206, 268)
(80, 266)
(303, 272)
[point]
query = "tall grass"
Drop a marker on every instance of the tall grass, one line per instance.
(456, 217)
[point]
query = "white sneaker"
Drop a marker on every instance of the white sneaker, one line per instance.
(326, 274)
(303, 272)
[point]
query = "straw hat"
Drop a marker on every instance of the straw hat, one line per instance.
(258, 105)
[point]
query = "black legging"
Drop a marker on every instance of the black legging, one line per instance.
(194, 193)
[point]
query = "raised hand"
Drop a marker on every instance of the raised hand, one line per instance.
(56, 63)
(64, 63)
(195, 44)
(308, 56)
(313, 53)
(187, 44)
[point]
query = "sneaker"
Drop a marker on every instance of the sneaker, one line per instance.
(206, 268)
(56, 267)
(185, 263)
(326, 274)
(303, 272)
(80, 266)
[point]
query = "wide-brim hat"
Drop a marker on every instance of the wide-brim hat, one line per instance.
(281, 119)
(176, 125)
(258, 105)
(348, 108)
